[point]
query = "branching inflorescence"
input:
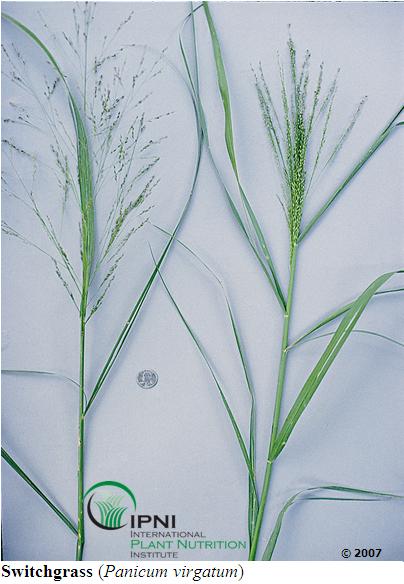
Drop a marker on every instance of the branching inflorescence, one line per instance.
(107, 146)
(293, 133)
(116, 132)
(297, 133)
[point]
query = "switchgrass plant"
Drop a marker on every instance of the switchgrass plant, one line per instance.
(298, 137)
(108, 159)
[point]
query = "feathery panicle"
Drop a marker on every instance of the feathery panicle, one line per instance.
(112, 147)
(290, 133)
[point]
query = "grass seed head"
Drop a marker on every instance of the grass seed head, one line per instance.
(111, 149)
(290, 131)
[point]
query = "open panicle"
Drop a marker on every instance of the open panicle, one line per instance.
(110, 140)
(110, 145)
(95, 104)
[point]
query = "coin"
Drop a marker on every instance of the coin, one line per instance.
(147, 379)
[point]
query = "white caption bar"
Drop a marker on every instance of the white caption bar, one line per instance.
(220, 572)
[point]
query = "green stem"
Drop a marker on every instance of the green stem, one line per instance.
(81, 428)
(261, 509)
(278, 404)
(252, 488)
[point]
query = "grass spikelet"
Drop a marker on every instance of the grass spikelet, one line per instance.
(291, 134)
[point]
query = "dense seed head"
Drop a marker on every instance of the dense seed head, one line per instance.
(290, 133)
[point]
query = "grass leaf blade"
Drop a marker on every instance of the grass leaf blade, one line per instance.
(142, 297)
(35, 372)
(369, 496)
(327, 358)
(11, 462)
(83, 161)
(229, 139)
(253, 497)
(206, 359)
(360, 331)
(333, 316)
(381, 138)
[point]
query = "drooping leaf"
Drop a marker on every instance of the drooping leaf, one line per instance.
(307, 494)
(326, 360)
(202, 351)
(142, 297)
(253, 498)
(83, 167)
(229, 139)
(333, 316)
(359, 331)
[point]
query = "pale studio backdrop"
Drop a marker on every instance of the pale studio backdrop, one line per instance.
(173, 445)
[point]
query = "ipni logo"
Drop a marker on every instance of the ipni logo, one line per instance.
(108, 503)
(155, 521)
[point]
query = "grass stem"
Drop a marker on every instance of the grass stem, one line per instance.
(278, 404)
(80, 449)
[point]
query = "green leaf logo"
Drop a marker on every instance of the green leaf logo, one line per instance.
(111, 512)
(110, 508)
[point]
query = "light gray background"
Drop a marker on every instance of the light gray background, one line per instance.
(174, 445)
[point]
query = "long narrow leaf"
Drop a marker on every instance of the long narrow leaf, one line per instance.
(202, 121)
(381, 138)
(253, 498)
(333, 316)
(83, 164)
(45, 374)
(369, 496)
(332, 350)
(87, 207)
(235, 329)
(33, 36)
(9, 459)
(223, 88)
(228, 409)
(35, 372)
(141, 299)
(360, 331)
(278, 293)
(229, 139)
